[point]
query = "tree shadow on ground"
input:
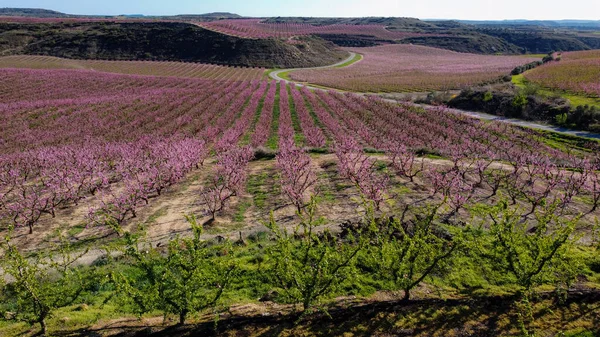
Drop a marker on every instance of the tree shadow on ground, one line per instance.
(485, 316)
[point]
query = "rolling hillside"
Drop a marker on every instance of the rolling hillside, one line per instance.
(160, 41)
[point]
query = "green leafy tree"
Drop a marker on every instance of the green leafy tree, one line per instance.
(405, 254)
(309, 265)
(561, 119)
(39, 285)
(488, 96)
(189, 277)
(533, 252)
(520, 101)
(517, 248)
(596, 234)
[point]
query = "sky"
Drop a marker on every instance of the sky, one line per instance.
(423, 9)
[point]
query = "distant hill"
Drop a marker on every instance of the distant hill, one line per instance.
(161, 41)
(386, 21)
(204, 17)
(482, 37)
(542, 23)
(219, 15)
(45, 13)
(32, 12)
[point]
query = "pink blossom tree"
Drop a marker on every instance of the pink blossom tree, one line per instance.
(229, 179)
(361, 170)
(297, 174)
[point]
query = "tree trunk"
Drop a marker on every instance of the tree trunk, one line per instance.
(30, 228)
(306, 303)
(182, 316)
(43, 327)
(406, 295)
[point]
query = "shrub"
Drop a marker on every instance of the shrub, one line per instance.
(309, 266)
(561, 119)
(406, 253)
(40, 285)
(488, 96)
(519, 101)
(189, 278)
(532, 255)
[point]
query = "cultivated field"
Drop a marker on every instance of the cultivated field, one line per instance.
(126, 139)
(402, 68)
(256, 29)
(575, 72)
(150, 68)
(138, 195)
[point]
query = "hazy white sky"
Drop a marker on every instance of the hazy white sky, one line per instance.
(424, 9)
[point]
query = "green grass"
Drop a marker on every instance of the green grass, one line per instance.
(462, 277)
(356, 58)
(246, 138)
(298, 135)
(153, 218)
(76, 230)
(576, 100)
(255, 186)
(273, 140)
(541, 56)
(519, 81)
(286, 75)
(269, 72)
(240, 214)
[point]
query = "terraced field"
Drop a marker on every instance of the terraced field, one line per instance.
(172, 124)
(576, 72)
(406, 68)
(149, 68)
(256, 29)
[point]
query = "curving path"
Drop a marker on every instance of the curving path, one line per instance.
(276, 75)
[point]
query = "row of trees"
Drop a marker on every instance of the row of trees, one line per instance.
(305, 265)
(208, 110)
(308, 264)
(122, 175)
(468, 177)
(255, 29)
(127, 176)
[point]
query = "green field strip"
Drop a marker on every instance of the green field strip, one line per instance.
(298, 135)
(357, 58)
(246, 138)
(272, 142)
(317, 121)
(576, 100)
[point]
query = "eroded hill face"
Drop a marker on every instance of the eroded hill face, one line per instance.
(161, 42)
(481, 37)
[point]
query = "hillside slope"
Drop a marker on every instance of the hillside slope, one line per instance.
(162, 42)
(475, 43)
(481, 37)
(539, 40)
(32, 12)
